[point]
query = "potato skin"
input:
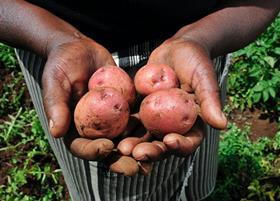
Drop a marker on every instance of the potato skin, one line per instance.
(168, 111)
(113, 76)
(154, 77)
(101, 113)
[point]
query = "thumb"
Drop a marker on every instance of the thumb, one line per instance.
(204, 83)
(196, 74)
(56, 93)
(65, 78)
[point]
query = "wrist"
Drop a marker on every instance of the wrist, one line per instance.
(59, 38)
(189, 34)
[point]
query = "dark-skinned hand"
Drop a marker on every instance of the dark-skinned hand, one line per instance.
(196, 74)
(65, 79)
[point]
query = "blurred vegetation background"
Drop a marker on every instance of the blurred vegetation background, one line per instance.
(249, 153)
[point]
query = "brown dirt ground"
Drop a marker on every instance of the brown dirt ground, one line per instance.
(261, 124)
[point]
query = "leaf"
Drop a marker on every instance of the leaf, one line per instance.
(272, 92)
(258, 87)
(255, 71)
(257, 97)
(249, 102)
(277, 50)
(20, 177)
(265, 95)
(270, 60)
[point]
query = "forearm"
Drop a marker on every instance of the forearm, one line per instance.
(28, 26)
(232, 26)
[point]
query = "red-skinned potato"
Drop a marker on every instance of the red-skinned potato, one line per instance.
(168, 111)
(113, 76)
(101, 113)
(154, 77)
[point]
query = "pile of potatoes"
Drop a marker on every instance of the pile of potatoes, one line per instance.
(104, 111)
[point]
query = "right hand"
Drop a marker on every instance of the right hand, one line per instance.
(65, 79)
(193, 66)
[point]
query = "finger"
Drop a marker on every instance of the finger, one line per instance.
(56, 93)
(145, 167)
(122, 164)
(78, 90)
(147, 151)
(102, 56)
(88, 149)
(183, 145)
(196, 74)
(136, 115)
(127, 145)
(208, 95)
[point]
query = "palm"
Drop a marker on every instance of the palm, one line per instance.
(196, 75)
(65, 80)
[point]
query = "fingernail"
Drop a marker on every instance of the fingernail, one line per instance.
(51, 124)
(160, 145)
(143, 158)
(145, 171)
(173, 143)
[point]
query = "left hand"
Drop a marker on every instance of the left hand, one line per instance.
(194, 69)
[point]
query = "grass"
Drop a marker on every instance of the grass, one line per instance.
(28, 169)
(31, 173)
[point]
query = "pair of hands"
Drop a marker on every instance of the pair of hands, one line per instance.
(67, 71)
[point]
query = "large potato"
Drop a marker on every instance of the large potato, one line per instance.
(154, 77)
(101, 113)
(113, 76)
(168, 111)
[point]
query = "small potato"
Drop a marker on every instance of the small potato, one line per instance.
(101, 113)
(154, 77)
(113, 76)
(168, 111)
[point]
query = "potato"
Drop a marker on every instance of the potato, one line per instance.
(101, 113)
(168, 111)
(154, 77)
(113, 76)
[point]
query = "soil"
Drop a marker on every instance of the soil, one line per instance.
(6, 78)
(31, 187)
(260, 122)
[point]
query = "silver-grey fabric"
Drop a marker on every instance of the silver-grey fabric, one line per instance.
(175, 178)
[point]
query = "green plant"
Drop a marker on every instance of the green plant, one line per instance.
(245, 166)
(7, 56)
(33, 173)
(28, 169)
(13, 92)
(263, 190)
(254, 79)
